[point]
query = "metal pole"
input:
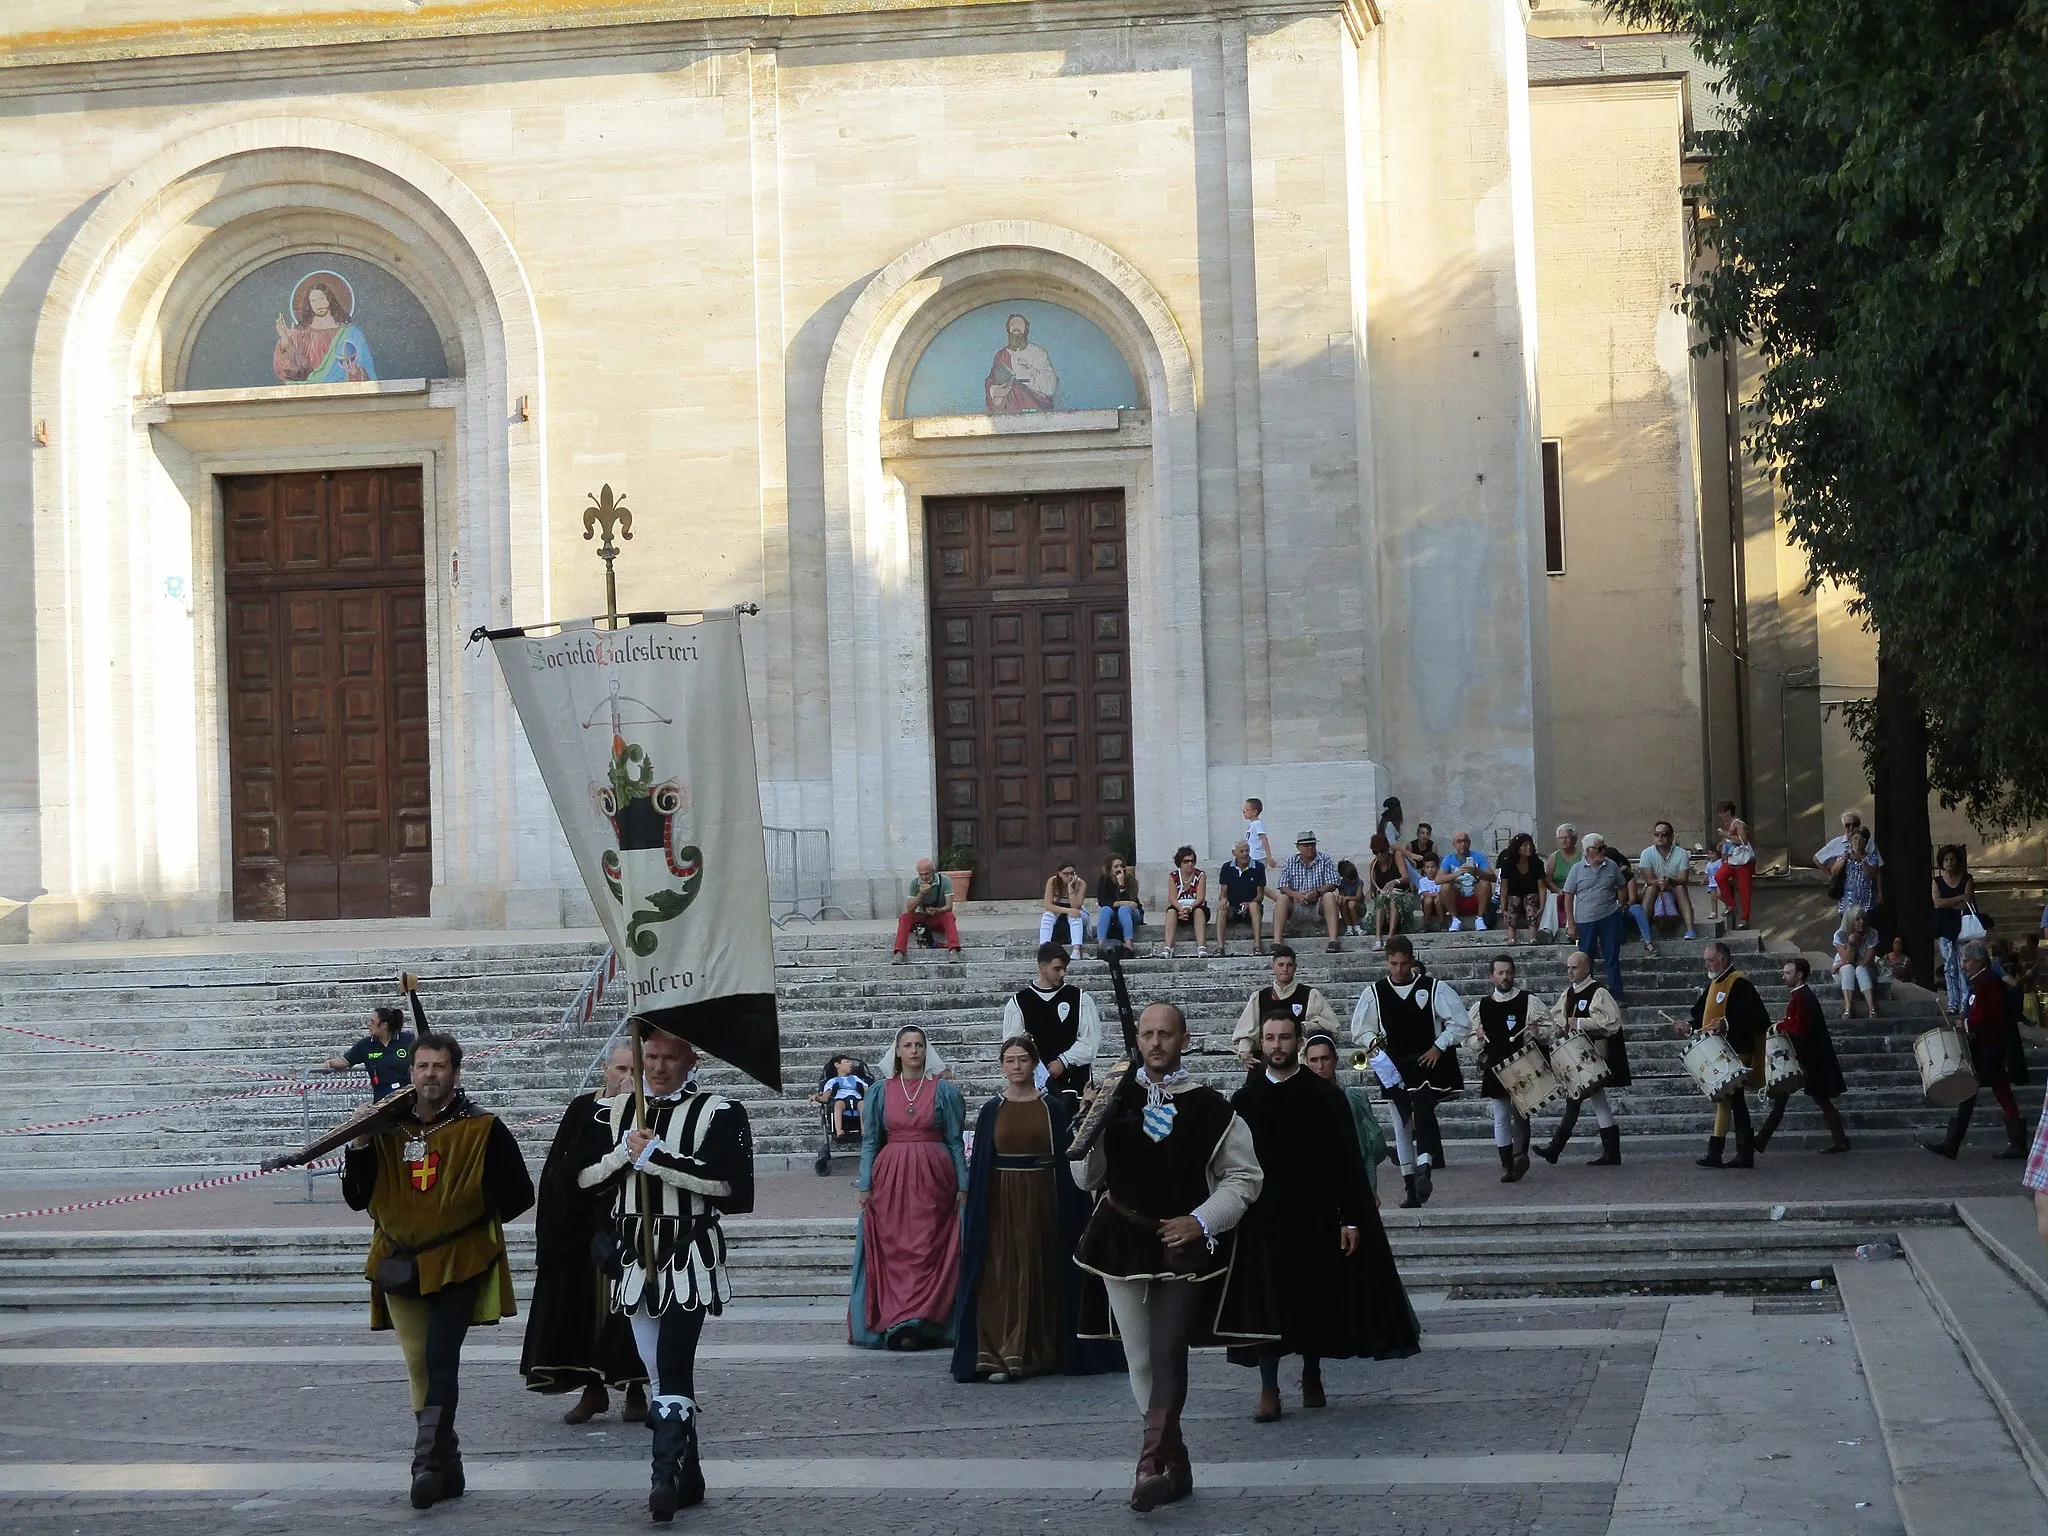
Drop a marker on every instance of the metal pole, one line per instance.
(306, 1128)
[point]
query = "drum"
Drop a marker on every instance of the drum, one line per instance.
(1715, 1067)
(1580, 1063)
(1783, 1076)
(1946, 1076)
(1528, 1080)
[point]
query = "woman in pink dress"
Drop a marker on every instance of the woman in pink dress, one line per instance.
(913, 1179)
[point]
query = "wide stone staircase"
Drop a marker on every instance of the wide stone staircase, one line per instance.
(193, 1030)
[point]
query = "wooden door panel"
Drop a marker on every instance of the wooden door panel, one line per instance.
(327, 659)
(1029, 678)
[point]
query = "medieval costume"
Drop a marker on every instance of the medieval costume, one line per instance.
(1590, 1009)
(1303, 1004)
(1399, 1024)
(440, 1193)
(1806, 1026)
(1175, 1148)
(574, 1341)
(906, 1248)
(1365, 1120)
(668, 1252)
(1332, 1305)
(1065, 1025)
(1020, 1293)
(1729, 1001)
(1988, 1024)
(1504, 1023)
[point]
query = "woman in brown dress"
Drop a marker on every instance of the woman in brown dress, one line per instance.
(1019, 1290)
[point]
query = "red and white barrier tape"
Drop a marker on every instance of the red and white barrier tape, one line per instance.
(116, 1050)
(271, 1091)
(156, 1194)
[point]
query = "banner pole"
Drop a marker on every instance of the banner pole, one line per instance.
(610, 513)
(640, 1179)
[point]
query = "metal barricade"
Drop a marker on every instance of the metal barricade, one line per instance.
(799, 874)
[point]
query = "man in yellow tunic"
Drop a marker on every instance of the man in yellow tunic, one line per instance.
(440, 1186)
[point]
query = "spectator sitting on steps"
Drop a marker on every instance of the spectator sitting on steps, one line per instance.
(1308, 880)
(929, 907)
(385, 1053)
(1664, 872)
(1187, 902)
(1468, 879)
(1244, 888)
(1066, 897)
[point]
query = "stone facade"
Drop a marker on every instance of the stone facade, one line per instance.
(692, 250)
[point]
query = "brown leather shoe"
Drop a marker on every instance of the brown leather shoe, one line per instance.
(1268, 1411)
(635, 1410)
(1152, 1486)
(588, 1406)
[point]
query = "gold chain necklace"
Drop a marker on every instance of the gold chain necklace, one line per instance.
(910, 1097)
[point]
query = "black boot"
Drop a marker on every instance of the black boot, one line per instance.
(1833, 1117)
(1745, 1137)
(1610, 1148)
(1507, 1165)
(426, 1479)
(2015, 1142)
(1422, 1190)
(1566, 1122)
(1408, 1183)
(1521, 1148)
(1958, 1128)
(448, 1457)
(1715, 1146)
(691, 1484)
(1770, 1126)
(671, 1427)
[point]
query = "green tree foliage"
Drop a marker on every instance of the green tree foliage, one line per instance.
(1879, 205)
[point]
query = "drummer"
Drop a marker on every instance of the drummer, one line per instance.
(1586, 1007)
(1729, 1005)
(1506, 1023)
(1985, 1025)
(1805, 1024)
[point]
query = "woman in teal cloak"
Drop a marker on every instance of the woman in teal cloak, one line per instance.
(325, 346)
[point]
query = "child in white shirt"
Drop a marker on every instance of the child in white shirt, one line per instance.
(1255, 833)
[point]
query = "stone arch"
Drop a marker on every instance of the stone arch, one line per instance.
(883, 807)
(122, 676)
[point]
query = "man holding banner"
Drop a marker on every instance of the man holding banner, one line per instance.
(643, 737)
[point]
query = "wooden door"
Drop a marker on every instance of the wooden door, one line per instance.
(327, 694)
(1031, 691)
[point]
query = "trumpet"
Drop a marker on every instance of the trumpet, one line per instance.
(1360, 1060)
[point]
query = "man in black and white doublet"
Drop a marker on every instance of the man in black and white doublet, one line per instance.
(1412, 1023)
(1062, 1022)
(1504, 1021)
(692, 1163)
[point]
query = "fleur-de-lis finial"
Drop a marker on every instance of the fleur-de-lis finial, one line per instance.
(610, 513)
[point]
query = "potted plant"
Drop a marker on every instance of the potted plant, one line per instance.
(956, 863)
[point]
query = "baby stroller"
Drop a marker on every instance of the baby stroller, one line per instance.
(840, 1118)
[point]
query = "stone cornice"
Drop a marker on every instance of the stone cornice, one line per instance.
(466, 33)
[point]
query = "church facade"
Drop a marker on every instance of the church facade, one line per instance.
(1115, 409)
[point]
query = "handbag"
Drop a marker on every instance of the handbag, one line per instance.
(1973, 926)
(398, 1272)
(1838, 883)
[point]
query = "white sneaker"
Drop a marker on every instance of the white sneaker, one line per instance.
(1456, 924)
(1166, 953)
(1479, 923)
(1201, 954)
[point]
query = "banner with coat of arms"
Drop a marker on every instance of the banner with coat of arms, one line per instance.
(646, 744)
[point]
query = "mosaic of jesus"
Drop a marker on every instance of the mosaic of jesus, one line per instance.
(321, 343)
(1022, 376)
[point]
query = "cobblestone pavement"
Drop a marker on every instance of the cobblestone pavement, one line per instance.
(1518, 1417)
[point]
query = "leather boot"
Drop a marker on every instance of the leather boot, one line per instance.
(1507, 1165)
(1268, 1410)
(1745, 1139)
(1312, 1394)
(691, 1484)
(1958, 1128)
(588, 1406)
(1567, 1122)
(671, 1438)
(1836, 1129)
(1422, 1171)
(1521, 1148)
(1610, 1148)
(448, 1457)
(634, 1410)
(1715, 1146)
(426, 1479)
(2015, 1142)
(1173, 1453)
(1152, 1486)
(1408, 1183)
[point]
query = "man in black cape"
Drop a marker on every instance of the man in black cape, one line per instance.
(1340, 1293)
(1078, 1356)
(573, 1338)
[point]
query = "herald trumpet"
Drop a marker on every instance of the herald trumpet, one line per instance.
(1360, 1060)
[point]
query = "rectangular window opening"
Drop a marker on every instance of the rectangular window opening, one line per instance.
(1553, 506)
